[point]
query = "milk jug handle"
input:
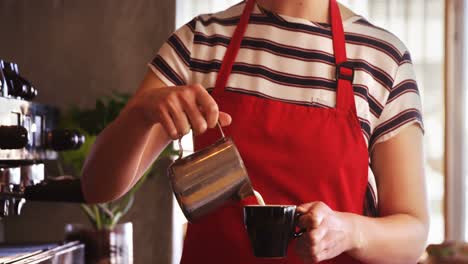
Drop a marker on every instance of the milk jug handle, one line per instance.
(181, 150)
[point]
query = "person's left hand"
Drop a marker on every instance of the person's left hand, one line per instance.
(328, 234)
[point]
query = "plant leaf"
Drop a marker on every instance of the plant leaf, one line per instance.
(98, 218)
(89, 213)
(115, 220)
(103, 208)
(128, 205)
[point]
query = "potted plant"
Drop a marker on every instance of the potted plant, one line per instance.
(105, 217)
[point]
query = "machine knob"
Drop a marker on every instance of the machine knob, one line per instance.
(13, 137)
(28, 91)
(4, 207)
(17, 89)
(15, 206)
(3, 84)
(64, 139)
(17, 85)
(32, 93)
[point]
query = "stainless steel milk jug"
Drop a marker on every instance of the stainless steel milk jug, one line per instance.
(208, 178)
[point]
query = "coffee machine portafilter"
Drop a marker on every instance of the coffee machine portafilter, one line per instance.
(28, 138)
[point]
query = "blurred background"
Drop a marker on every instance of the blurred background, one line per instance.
(78, 51)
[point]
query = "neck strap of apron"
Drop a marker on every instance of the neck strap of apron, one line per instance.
(344, 73)
(232, 50)
(344, 70)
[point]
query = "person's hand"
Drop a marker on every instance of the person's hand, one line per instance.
(328, 234)
(180, 108)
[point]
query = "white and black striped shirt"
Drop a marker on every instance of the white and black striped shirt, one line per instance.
(291, 59)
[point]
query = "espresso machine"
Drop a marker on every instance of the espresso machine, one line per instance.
(29, 138)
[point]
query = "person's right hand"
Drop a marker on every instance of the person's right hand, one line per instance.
(180, 108)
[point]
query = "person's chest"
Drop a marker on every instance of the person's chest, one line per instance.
(294, 68)
(293, 86)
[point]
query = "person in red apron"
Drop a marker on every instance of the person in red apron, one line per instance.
(313, 157)
(337, 177)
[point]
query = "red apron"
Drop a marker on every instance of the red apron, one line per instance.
(294, 154)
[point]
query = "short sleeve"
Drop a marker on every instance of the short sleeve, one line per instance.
(172, 62)
(403, 106)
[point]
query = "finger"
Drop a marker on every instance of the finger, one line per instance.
(315, 236)
(307, 221)
(319, 257)
(208, 106)
(311, 244)
(303, 208)
(315, 240)
(168, 124)
(314, 213)
(311, 220)
(196, 119)
(305, 252)
(224, 119)
(178, 117)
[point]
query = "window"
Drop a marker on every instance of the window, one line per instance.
(188, 9)
(420, 24)
(456, 121)
(465, 73)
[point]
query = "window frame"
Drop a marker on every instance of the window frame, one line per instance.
(455, 114)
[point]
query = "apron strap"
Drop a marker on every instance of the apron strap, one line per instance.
(232, 50)
(344, 69)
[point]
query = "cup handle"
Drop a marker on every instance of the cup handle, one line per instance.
(181, 150)
(299, 233)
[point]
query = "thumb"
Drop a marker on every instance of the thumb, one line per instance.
(224, 119)
(304, 208)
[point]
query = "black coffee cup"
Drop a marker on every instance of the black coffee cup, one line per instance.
(271, 228)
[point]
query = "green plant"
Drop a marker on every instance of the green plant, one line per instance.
(91, 122)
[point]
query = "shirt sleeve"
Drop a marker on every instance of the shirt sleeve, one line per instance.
(172, 62)
(403, 107)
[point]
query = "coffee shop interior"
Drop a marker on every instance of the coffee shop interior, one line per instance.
(70, 66)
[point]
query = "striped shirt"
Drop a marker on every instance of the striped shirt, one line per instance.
(291, 59)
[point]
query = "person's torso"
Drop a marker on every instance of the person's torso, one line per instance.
(294, 152)
(291, 59)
